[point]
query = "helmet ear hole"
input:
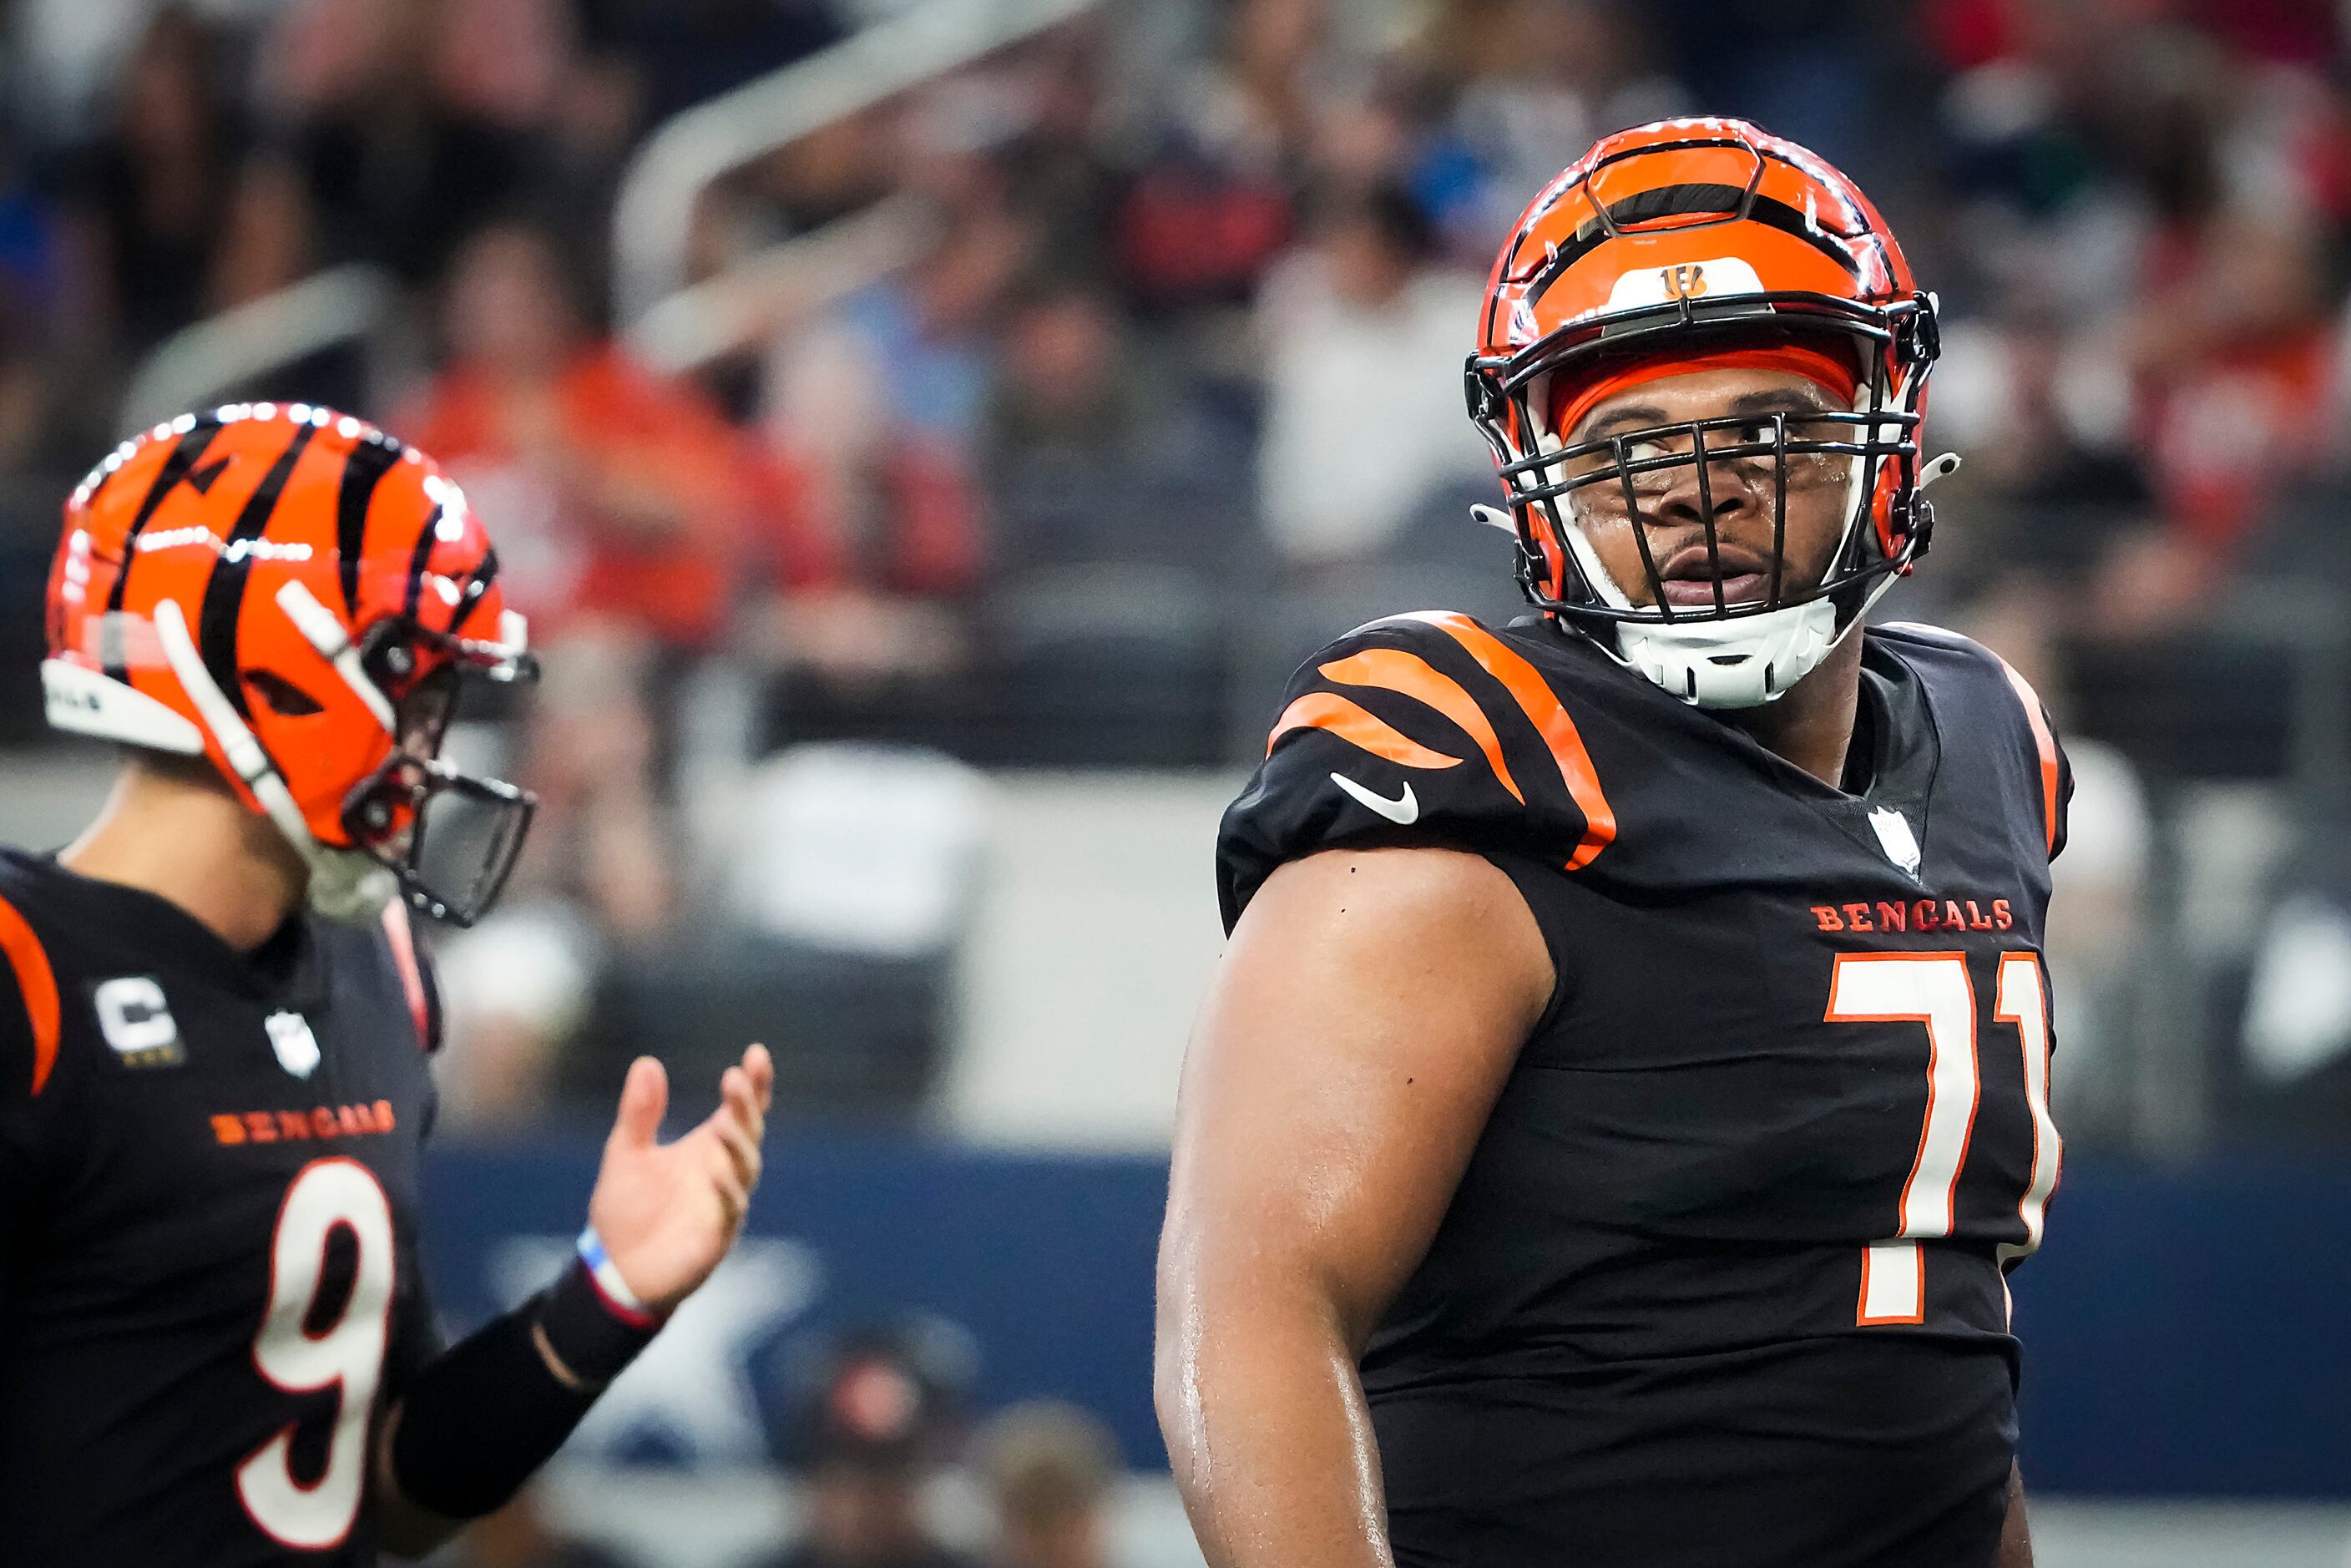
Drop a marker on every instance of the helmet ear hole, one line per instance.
(288, 699)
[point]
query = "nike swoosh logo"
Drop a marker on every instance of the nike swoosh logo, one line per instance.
(1404, 811)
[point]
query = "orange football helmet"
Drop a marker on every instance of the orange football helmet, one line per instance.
(293, 594)
(1687, 245)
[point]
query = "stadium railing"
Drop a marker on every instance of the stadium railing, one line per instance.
(652, 217)
(329, 308)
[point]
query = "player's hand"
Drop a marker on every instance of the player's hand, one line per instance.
(668, 1212)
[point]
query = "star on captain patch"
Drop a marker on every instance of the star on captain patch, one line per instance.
(1894, 836)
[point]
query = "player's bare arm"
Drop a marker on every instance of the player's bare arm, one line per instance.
(1367, 1011)
(2016, 1530)
(667, 1215)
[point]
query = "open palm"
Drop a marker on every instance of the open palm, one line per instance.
(668, 1212)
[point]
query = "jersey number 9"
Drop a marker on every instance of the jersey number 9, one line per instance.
(345, 1355)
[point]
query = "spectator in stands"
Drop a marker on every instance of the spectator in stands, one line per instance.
(897, 510)
(1528, 78)
(1362, 335)
(1096, 448)
(1048, 1469)
(2233, 353)
(397, 127)
(1059, 176)
(877, 1430)
(43, 318)
(934, 325)
(622, 491)
(152, 196)
(1211, 210)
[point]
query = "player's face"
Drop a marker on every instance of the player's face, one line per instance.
(1668, 505)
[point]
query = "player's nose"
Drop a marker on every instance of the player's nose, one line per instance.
(1691, 493)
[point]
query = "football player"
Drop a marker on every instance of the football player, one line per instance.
(215, 1027)
(1624, 1093)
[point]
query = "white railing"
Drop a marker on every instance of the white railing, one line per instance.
(677, 328)
(653, 216)
(786, 282)
(199, 361)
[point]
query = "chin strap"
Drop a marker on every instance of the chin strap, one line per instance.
(344, 884)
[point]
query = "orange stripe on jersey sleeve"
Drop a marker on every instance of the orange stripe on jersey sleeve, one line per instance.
(412, 974)
(2047, 742)
(1550, 717)
(37, 984)
(1395, 670)
(1350, 723)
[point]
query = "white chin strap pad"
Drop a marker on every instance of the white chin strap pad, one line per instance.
(1743, 662)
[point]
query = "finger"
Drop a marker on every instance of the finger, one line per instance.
(761, 1067)
(738, 1106)
(728, 1184)
(644, 1096)
(741, 1102)
(742, 1149)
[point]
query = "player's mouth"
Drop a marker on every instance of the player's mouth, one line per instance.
(1686, 578)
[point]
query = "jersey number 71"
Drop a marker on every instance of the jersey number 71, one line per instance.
(1933, 989)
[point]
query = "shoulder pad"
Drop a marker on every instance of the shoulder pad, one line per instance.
(2055, 777)
(1424, 728)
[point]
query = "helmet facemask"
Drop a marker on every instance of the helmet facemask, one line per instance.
(450, 839)
(1731, 653)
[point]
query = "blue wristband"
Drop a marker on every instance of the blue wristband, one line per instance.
(624, 1303)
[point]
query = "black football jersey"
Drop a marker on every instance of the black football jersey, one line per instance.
(208, 1283)
(1723, 1282)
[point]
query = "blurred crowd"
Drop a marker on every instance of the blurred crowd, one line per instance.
(880, 1433)
(1046, 414)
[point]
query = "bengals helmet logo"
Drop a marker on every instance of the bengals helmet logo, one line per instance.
(1683, 282)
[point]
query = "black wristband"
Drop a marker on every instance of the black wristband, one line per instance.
(594, 1336)
(484, 1414)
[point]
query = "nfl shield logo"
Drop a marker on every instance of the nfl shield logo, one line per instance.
(297, 1047)
(1894, 837)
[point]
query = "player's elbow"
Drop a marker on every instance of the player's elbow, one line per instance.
(1239, 1311)
(1206, 1320)
(1176, 1340)
(1172, 1399)
(402, 1528)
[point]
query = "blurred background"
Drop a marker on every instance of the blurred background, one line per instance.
(924, 434)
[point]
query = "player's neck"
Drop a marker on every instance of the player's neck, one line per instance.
(193, 843)
(1812, 726)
